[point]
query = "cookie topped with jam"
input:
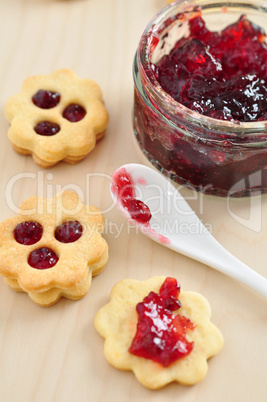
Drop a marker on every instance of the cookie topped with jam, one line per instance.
(159, 332)
(53, 247)
(56, 117)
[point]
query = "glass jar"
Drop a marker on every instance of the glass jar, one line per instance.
(216, 157)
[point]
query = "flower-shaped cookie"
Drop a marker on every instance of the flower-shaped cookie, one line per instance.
(56, 117)
(53, 247)
(127, 340)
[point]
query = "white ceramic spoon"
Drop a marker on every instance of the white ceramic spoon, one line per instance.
(175, 225)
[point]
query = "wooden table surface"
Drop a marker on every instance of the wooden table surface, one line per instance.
(55, 354)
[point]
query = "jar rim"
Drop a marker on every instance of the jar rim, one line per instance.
(153, 28)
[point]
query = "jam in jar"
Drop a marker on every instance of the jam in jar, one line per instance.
(200, 110)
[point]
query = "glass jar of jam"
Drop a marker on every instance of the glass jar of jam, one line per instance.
(200, 96)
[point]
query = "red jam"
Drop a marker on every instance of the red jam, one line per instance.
(123, 188)
(47, 128)
(74, 113)
(222, 75)
(68, 232)
(28, 232)
(161, 335)
(46, 99)
(138, 210)
(42, 258)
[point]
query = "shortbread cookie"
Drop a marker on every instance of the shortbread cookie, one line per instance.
(56, 117)
(53, 247)
(161, 338)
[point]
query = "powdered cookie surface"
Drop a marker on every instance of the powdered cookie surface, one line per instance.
(56, 117)
(159, 337)
(52, 248)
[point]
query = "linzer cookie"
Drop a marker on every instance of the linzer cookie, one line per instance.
(52, 248)
(56, 117)
(161, 334)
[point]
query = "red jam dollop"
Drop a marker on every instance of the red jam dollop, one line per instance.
(222, 75)
(47, 128)
(74, 113)
(68, 232)
(42, 258)
(46, 99)
(27, 233)
(161, 335)
(123, 188)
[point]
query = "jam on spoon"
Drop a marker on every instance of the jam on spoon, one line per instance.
(123, 187)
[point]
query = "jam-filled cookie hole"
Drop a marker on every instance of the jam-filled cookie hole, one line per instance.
(42, 258)
(69, 231)
(28, 232)
(46, 128)
(74, 112)
(45, 99)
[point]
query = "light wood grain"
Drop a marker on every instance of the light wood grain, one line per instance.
(55, 354)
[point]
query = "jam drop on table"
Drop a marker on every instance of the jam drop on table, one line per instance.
(161, 335)
(123, 187)
(222, 75)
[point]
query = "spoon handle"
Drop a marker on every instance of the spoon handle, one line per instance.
(216, 256)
